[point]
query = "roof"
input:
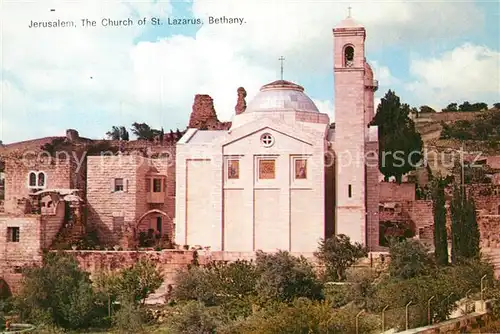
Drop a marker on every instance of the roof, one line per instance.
(206, 136)
(281, 95)
(348, 22)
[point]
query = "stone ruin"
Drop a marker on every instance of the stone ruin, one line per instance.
(241, 105)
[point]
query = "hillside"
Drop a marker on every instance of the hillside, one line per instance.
(445, 132)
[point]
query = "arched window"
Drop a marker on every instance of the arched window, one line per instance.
(349, 56)
(37, 180)
(41, 179)
(32, 179)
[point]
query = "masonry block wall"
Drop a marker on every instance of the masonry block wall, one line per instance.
(350, 132)
(169, 262)
(372, 197)
(21, 251)
(110, 212)
(57, 175)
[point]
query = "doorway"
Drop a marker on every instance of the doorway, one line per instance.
(159, 224)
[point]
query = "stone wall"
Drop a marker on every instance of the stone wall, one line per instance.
(110, 211)
(393, 192)
(57, 175)
(15, 255)
(489, 227)
(168, 261)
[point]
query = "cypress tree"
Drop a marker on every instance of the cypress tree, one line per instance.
(472, 236)
(457, 228)
(439, 211)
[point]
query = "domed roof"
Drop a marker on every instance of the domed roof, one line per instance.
(349, 23)
(281, 95)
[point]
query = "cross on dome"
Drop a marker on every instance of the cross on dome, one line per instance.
(281, 59)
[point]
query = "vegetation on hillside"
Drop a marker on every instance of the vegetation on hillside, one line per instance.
(467, 106)
(484, 127)
(400, 145)
(277, 293)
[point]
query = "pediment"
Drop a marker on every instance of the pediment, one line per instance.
(305, 136)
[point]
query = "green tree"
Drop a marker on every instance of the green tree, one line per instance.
(118, 133)
(144, 132)
(139, 281)
(451, 107)
(464, 227)
(426, 109)
(439, 211)
(218, 284)
(283, 277)
(409, 258)
(400, 145)
(58, 292)
(337, 254)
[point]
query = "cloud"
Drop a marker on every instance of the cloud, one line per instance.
(465, 73)
(383, 75)
(94, 78)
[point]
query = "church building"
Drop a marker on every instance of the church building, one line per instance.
(283, 177)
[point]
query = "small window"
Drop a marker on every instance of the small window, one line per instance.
(349, 56)
(41, 179)
(157, 185)
(233, 169)
(32, 179)
(349, 191)
(18, 270)
(118, 184)
(301, 169)
(13, 234)
(267, 169)
(118, 224)
(267, 140)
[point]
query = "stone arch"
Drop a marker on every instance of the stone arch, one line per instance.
(150, 212)
(348, 55)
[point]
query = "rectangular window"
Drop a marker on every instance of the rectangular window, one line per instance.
(118, 224)
(233, 169)
(148, 185)
(349, 191)
(157, 185)
(13, 234)
(267, 169)
(301, 169)
(119, 184)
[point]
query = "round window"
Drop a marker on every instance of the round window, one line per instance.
(267, 140)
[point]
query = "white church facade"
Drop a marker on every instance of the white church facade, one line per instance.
(283, 177)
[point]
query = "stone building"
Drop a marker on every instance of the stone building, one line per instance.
(282, 177)
(131, 196)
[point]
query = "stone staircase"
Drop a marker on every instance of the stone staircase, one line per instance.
(69, 235)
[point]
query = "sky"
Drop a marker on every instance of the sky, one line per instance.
(94, 77)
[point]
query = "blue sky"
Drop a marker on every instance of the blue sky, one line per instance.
(90, 79)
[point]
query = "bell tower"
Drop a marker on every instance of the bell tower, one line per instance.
(351, 130)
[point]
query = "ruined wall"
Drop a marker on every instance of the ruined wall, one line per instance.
(51, 224)
(203, 116)
(393, 192)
